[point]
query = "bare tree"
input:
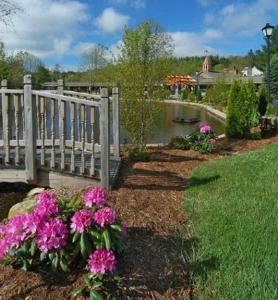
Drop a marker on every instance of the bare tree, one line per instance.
(8, 8)
(94, 58)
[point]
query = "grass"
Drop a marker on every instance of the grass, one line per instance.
(233, 205)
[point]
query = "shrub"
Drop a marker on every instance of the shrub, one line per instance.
(262, 100)
(179, 142)
(242, 109)
(218, 94)
(270, 110)
(185, 93)
(202, 140)
(64, 234)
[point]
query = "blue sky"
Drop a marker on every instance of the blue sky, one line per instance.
(59, 31)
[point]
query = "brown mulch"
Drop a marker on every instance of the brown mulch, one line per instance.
(148, 200)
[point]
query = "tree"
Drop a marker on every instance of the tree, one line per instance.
(143, 67)
(94, 58)
(30, 62)
(242, 109)
(7, 10)
(3, 63)
(274, 77)
(233, 126)
(262, 102)
(218, 93)
(42, 75)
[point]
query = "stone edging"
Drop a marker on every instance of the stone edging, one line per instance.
(208, 108)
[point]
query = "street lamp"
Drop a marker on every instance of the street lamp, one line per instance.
(267, 31)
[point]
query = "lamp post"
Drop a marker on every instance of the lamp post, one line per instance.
(267, 31)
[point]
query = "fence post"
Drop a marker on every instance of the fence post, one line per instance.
(104, 138)
(116, 122)
(30, 130)
(60, 91)
(60, 87)
(6, 122)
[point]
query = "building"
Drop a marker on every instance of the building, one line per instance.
(254, 71)
(206, 77)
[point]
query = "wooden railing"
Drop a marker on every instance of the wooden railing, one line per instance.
(62, 131)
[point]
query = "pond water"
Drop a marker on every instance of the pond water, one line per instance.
(165, 128)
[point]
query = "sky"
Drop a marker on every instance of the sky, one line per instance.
(59, 31)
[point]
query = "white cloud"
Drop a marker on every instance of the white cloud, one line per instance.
(190, 44)
(134, 3)
(245, 19)
(47, 28)
(110, 20)
(81, 48)
(209, 18)
(213, 34)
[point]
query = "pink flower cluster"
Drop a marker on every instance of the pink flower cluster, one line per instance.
(95, 196)
(105, 216)
(52, 235)
(204, 128)
(81, 220)
(47, 205)
(101, 261)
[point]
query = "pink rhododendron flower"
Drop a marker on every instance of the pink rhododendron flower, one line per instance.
(47, 205)
(4, 244)
(81, 220)
(204, 128)
(95, 196)
(19, 227)
(105, 216)
(212, 140)
(101, 261)
(53, 235)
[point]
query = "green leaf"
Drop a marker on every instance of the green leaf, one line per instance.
(97, 284)
(76, 236)
(64, 265)
(85, 245)
(78, 291)
(107, 240)
(33, 247)
(24, 265)
(55, 262)
(95, 295)
(116, 227)
(43, 256)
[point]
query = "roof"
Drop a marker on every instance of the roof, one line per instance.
(180, 79)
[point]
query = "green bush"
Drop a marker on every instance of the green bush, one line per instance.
(185, 93)
(262, 100)
(270, 110)
(218, 94)
(178, 142)
(241, 110)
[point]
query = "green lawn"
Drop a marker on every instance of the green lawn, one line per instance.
(233, 205)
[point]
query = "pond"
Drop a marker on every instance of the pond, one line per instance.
(165, 128)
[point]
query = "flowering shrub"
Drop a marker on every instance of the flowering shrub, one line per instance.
(202, 140)
(64, 233)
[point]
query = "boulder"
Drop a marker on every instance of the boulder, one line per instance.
(23, 207)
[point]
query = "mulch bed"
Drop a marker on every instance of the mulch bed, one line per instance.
(148, 200)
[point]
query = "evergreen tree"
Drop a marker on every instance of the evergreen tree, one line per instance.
(262, 103)
(274, 77)
(233, 127)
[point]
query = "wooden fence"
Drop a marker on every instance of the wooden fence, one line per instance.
(59, 131)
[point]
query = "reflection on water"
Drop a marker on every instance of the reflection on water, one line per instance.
(165, 127)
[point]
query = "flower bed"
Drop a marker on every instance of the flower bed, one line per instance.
(64, 233)
(202, 140)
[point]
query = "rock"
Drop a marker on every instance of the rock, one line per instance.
(23, 207)
(33, 193)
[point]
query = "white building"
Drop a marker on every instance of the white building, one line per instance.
(248, 71)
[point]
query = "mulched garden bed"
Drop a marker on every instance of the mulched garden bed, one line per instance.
(148, 200)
